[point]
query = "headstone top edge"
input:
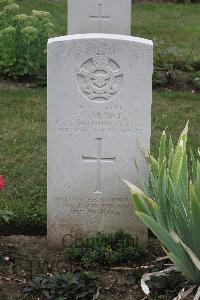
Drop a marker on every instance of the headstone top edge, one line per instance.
(101, 36)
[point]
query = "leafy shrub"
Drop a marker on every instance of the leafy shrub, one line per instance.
(5, 215)
(69, 286)
(196, 64)
(170, 204)
(195, 80)
(23, 40)
(159, 79)
(171, 61)
(104, 249)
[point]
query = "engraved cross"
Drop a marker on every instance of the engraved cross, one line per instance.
(100, 17)
(99, 160)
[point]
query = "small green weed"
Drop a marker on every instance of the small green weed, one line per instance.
(159, 78)
(64, 286)
(5, 216)
(104, 249)
(195, 80)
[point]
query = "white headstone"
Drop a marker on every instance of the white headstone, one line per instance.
(99, 16)
(99, 109)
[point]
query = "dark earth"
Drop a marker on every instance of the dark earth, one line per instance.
(24, 257)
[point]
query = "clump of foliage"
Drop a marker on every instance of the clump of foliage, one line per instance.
(159, 78)
(170, 62)
(61, 286)
(5, 215)
(162, 287)
(195, 80)
(170, 204)
(104, 249)
(23, 40)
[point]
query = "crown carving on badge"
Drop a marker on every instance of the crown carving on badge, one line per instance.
(100, 59)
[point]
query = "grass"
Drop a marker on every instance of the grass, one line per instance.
(23, 153)
(171, 110)
(175, 25)
(23, 143)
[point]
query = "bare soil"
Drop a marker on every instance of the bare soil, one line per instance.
(26, 82)
(24, 257)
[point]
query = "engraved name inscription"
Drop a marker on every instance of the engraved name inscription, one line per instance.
(106, 120)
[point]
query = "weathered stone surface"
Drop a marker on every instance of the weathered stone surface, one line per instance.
(99, 16)
(99, 109)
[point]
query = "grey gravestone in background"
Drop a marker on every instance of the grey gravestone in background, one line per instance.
(99, 16)
(99, 108)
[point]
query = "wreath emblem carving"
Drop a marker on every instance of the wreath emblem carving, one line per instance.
(100, 78)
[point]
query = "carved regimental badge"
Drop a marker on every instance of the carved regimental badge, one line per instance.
(100, 78)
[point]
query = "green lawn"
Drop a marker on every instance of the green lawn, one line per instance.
(175, 25)
(23, 153)
(23, 143)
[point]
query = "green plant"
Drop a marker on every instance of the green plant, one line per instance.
(171, 61)
(23, 40)
(195, 80)
(159, 79)
(5, 216)
(104, 249)
(170, 204)
(64, 286)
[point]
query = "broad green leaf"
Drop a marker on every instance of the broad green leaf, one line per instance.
(184, 179)
(145, 185)
(197, 183)
(134, 189)
(160, 232)
(183, 262)
(182, 227)
(177, 163)
(176, 200)
(171, 155)
(191, 254)
(162, 149)
(162, 193)
(140, 204)
(195, 216)
(186, 269)
(194, 166)
(183, 135)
